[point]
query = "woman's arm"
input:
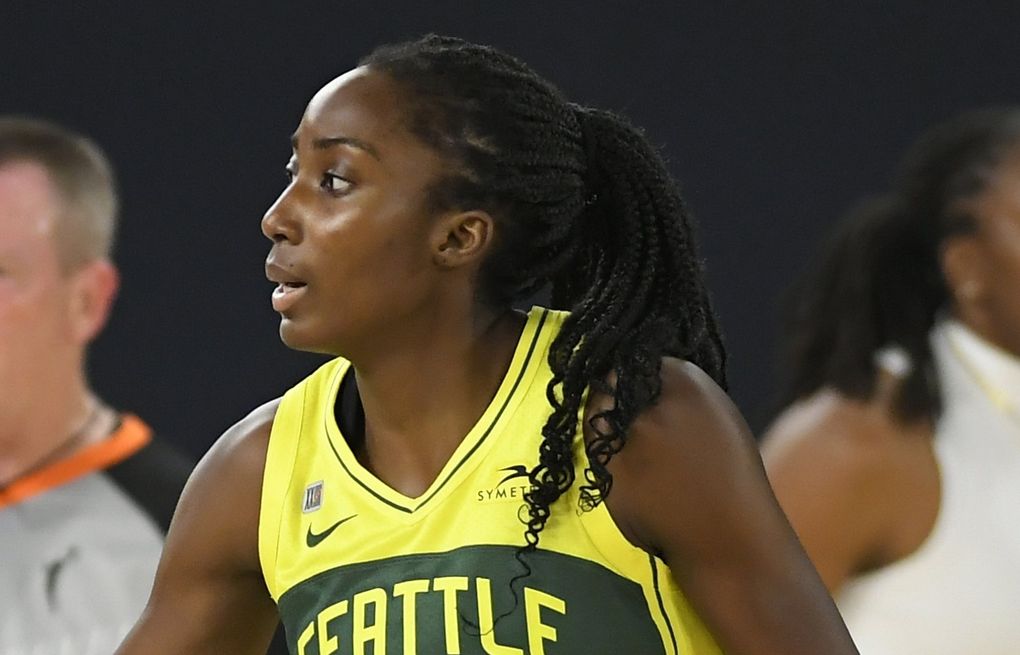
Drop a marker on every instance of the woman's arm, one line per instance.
(209, 596)
(689, 486)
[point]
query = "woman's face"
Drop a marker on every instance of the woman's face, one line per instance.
(983, 267)
(350, 231)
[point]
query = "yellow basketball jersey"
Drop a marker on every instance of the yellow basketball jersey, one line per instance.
(357, 567)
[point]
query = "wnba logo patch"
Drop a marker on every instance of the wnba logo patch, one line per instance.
(313, 497)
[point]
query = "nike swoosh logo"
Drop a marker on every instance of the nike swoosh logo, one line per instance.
(313, 540)
(516, 471)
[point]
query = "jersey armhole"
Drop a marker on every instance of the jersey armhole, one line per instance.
(276, 481)
(681, 629)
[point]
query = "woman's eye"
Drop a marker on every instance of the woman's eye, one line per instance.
(335, 184)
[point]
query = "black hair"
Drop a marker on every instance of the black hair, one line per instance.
(583, 204)
(879, 279)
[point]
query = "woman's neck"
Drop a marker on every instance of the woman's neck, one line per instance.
(424, 392)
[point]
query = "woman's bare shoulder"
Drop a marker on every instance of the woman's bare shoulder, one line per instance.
(691, 443)
(241, 449)
(225, 488)
(862, 437)
(860, 487)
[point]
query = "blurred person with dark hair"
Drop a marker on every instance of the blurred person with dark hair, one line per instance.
(86, 493)
(897, 459)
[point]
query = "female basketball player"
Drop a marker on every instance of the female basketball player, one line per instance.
(899, 463)
(430, 492)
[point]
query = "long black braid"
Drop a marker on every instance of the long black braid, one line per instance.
(583, 204)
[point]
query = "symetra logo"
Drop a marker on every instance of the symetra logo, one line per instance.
(312, 539)
(506, 489)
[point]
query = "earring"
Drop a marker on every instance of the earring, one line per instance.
(894, 360)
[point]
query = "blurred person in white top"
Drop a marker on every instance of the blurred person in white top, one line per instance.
(897, 456)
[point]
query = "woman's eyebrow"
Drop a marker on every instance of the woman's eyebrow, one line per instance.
(333, 141)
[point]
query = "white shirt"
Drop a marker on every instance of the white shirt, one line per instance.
(959, 593)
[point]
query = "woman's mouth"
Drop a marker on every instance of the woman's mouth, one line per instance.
(286, 294)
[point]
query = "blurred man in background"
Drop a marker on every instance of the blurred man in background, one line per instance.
(86, 493)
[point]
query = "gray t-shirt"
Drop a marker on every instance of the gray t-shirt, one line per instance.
(78, 559)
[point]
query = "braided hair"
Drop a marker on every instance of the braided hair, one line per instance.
(583, 206)
(879, 279)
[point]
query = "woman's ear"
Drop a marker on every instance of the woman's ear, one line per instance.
(963, 266)
(462, 239)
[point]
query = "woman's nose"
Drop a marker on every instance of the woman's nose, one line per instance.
(278, 223)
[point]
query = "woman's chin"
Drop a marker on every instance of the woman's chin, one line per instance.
(297, 337)
(294, 337)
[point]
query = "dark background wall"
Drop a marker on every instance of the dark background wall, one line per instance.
(775, 116)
